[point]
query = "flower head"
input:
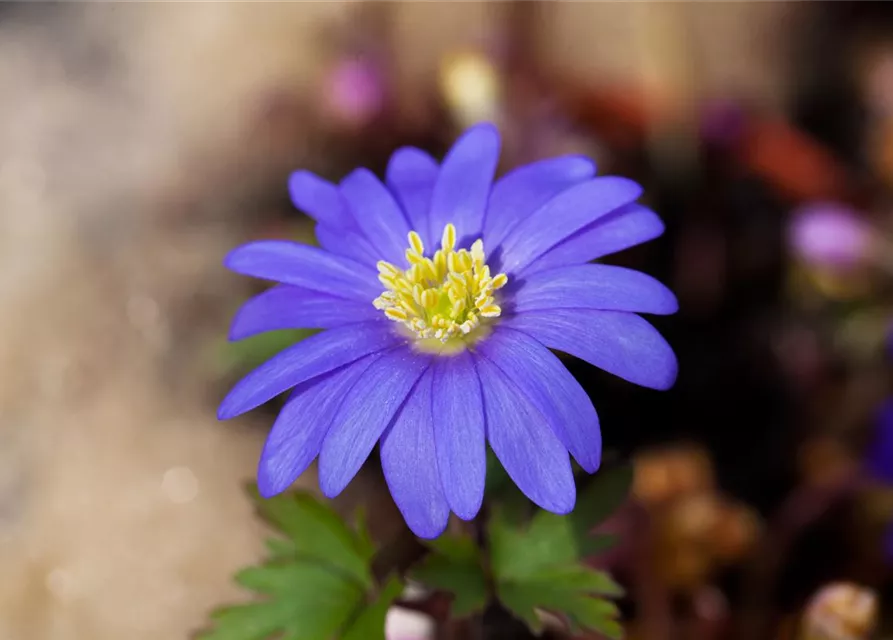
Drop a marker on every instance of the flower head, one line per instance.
(441, 295)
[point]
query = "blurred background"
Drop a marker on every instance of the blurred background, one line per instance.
(139, 142)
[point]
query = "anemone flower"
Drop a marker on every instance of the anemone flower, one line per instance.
(441, 295)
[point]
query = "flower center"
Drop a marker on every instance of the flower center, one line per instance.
(442, 298)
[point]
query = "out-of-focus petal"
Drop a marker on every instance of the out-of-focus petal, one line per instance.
(377, 214)
(319, 199)
(411, 175)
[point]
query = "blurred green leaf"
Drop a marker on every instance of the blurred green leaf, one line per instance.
(522, 602)
(502, 492)
(369, 624)
(317, 532)
(315, 585)
(304, 597)
(455, 565)
(250, 353)
(605, 493)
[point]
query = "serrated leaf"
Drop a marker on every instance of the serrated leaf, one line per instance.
(306, 597)
(540, 567)
(577, 578)
(319, 533)
(516, 554)
(455, 566)
(593, 614)
(522, 602)
(255, 621)
(370, 623)
(581, 610)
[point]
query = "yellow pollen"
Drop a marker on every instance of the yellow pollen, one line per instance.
(443, 297)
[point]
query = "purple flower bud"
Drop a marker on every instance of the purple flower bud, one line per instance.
(829, 235)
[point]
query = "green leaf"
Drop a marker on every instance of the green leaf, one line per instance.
(305, 597)
(522, 602)
(502, 492)
(318, 533)
(315, 585)
(517, 553)
(604, 494)
(606, 491)
(577, 578)
(369, 624)
(280, 549)
(455, 566)
(249, 353)
(581, 610)
(540, 567)
(248, 622)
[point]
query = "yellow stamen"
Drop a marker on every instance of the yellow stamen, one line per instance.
(444, 297)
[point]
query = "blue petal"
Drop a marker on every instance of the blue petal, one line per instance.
(377, 214)
(367, 410)
(304, 266)
(298, 432)
(551, 389)
(287, 307)
(411, 175)
(564, 215)
(409, 463)
(619, 230)
(319, 199)
(459, 433)
(591, 286)
(620, 343)
(309, 358)
(521, 438)
(350, 244)
(521, 192)
(463, 186)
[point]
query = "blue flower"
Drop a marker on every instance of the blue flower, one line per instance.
(441, 295)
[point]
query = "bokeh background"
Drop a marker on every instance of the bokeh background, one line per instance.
(139, 142)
